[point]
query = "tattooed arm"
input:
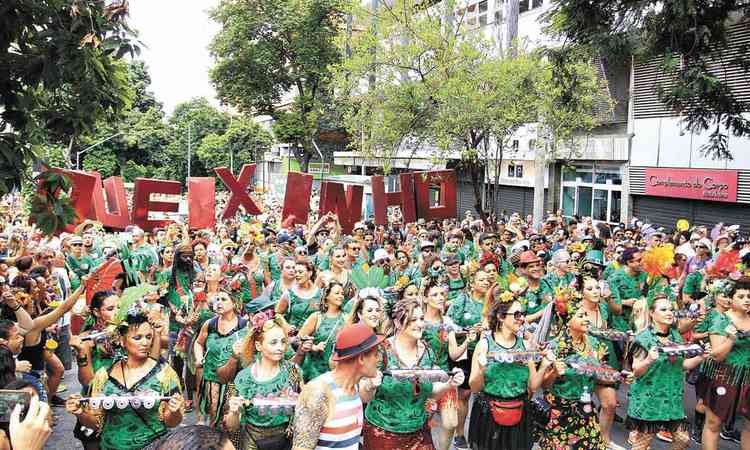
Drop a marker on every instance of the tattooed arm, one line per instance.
(310, 414)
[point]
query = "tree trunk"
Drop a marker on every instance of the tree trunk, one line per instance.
(476, 172)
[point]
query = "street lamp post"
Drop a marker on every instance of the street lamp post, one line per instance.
(78, 154)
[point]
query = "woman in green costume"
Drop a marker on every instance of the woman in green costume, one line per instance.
(303, 299)
(597, 311)
(322, 327)
(440, 334)
(466, 312)
(135, 375)
(254, 276)
(212, 349)
(396, 416)
(655, 399)
(507, 382)
(573, 423)
(340, 273)
(267, 375)
(285, 280)
(725, 381)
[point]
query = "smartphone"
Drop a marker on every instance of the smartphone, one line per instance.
(8, 402)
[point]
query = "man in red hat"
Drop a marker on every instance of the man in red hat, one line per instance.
(329, 412)
(531, 267)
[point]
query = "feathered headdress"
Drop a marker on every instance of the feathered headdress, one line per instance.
(366, 276)
(658, 260)
(727, 264)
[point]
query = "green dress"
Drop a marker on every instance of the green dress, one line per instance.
(299, 309)
(570, 425)
(316, 363)
(437, 338)
(466, 313)
(655, 399)
(248, 388)
(218, 351)
(129, 429)
(399, 406)
(505, 380)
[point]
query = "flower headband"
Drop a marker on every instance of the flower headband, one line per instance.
(264, 321)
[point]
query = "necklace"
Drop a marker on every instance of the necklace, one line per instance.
(663, 335)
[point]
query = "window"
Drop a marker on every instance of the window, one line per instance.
(591, 191)
(527, 5)
(515, 170)
(515, 145)
(475, 14)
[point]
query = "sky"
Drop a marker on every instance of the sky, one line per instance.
(175, 36)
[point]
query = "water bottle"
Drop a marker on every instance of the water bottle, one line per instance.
(586, 400)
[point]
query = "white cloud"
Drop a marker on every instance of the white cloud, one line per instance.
(176, 35)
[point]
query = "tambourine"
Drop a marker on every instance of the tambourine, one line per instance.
(515, 356)
(611, 335)
(274, 405)
(431, 375)
(122, 402)
(599, 372)
(684, 350)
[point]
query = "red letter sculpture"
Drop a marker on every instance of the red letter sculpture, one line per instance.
(297, 197)
(238, 188)
(381, 200)
(201, 202)
(348, 207)
(115, 214)
(142, 203)
(446, 206)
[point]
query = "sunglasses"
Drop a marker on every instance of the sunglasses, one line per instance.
(518, 315)
(76, 245)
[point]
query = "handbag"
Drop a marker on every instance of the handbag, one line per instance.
(540, 412)
(507, 413)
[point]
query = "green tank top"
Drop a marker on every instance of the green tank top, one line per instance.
(274, 268)
(571, 385)
(300, 309)
(437, 339)
(739, 356)
(399, 406)
(658, 393)
(219, 347)
(505, 380)
(248, 388)
(316, 363)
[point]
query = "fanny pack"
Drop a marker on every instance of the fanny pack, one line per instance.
(507, 413)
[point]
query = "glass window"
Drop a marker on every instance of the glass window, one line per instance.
(483, 7)
(569, 201)
(584, 176)
(584, 201)
(614, 215)
(569, 174)
(615, 177)
(519, 171)
(536, 3)
(511, 171)
(523, 6)
(601, 178)
(600, 205)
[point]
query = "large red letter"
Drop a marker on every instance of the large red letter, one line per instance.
(348, 207)
(381, 200)
(446, 207)
(81, 193)
(142, 203)
(238, 188)
(201, 202)
(115, 214)
(297, 197)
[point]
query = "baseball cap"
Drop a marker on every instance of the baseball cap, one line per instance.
(380, 254)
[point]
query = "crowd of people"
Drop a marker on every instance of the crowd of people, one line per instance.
(429, 335)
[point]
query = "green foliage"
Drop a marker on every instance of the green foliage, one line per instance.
(243, 142)
(687, 37)
(51, 210)
(418, 81)
(104, 162)
(269, 50)
(131, 170)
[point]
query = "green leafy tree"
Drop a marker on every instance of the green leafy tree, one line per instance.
(419, 80)
(60, 72)
(190, 123)
(269, 51)
(688, 38)
(243, 142)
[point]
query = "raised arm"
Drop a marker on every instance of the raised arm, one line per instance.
(48, 319)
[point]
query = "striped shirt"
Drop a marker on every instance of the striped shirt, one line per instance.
(343, 428)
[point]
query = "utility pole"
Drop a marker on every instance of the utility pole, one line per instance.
(189, 148)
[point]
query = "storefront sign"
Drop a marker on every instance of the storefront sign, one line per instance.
(696, 184)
